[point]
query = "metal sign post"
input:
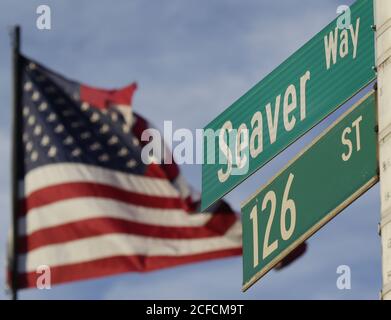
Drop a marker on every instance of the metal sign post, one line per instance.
(383, 55)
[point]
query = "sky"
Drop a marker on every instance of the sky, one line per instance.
(191, 59)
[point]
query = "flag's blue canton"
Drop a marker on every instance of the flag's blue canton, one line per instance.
(59, 128)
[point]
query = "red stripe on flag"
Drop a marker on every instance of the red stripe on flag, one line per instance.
(171, 170)
(119, 264)
(101, 98)
(52, 194)
(162, 171)
(216, 226)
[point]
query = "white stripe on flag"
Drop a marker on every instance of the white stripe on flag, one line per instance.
(112, 245)
(74, 210)
(53, 174)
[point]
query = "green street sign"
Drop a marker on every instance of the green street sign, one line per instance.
(337, 168)
(297, 95)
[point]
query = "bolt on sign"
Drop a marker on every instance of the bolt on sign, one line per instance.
(337, 168)
(297, 95)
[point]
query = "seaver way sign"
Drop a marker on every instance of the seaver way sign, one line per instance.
(308, 86)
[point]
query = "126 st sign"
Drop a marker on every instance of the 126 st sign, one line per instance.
(339, 167)
(302, 91)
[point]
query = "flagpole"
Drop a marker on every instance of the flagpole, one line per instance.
(16, 138)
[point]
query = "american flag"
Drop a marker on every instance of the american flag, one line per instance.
(91, 207)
